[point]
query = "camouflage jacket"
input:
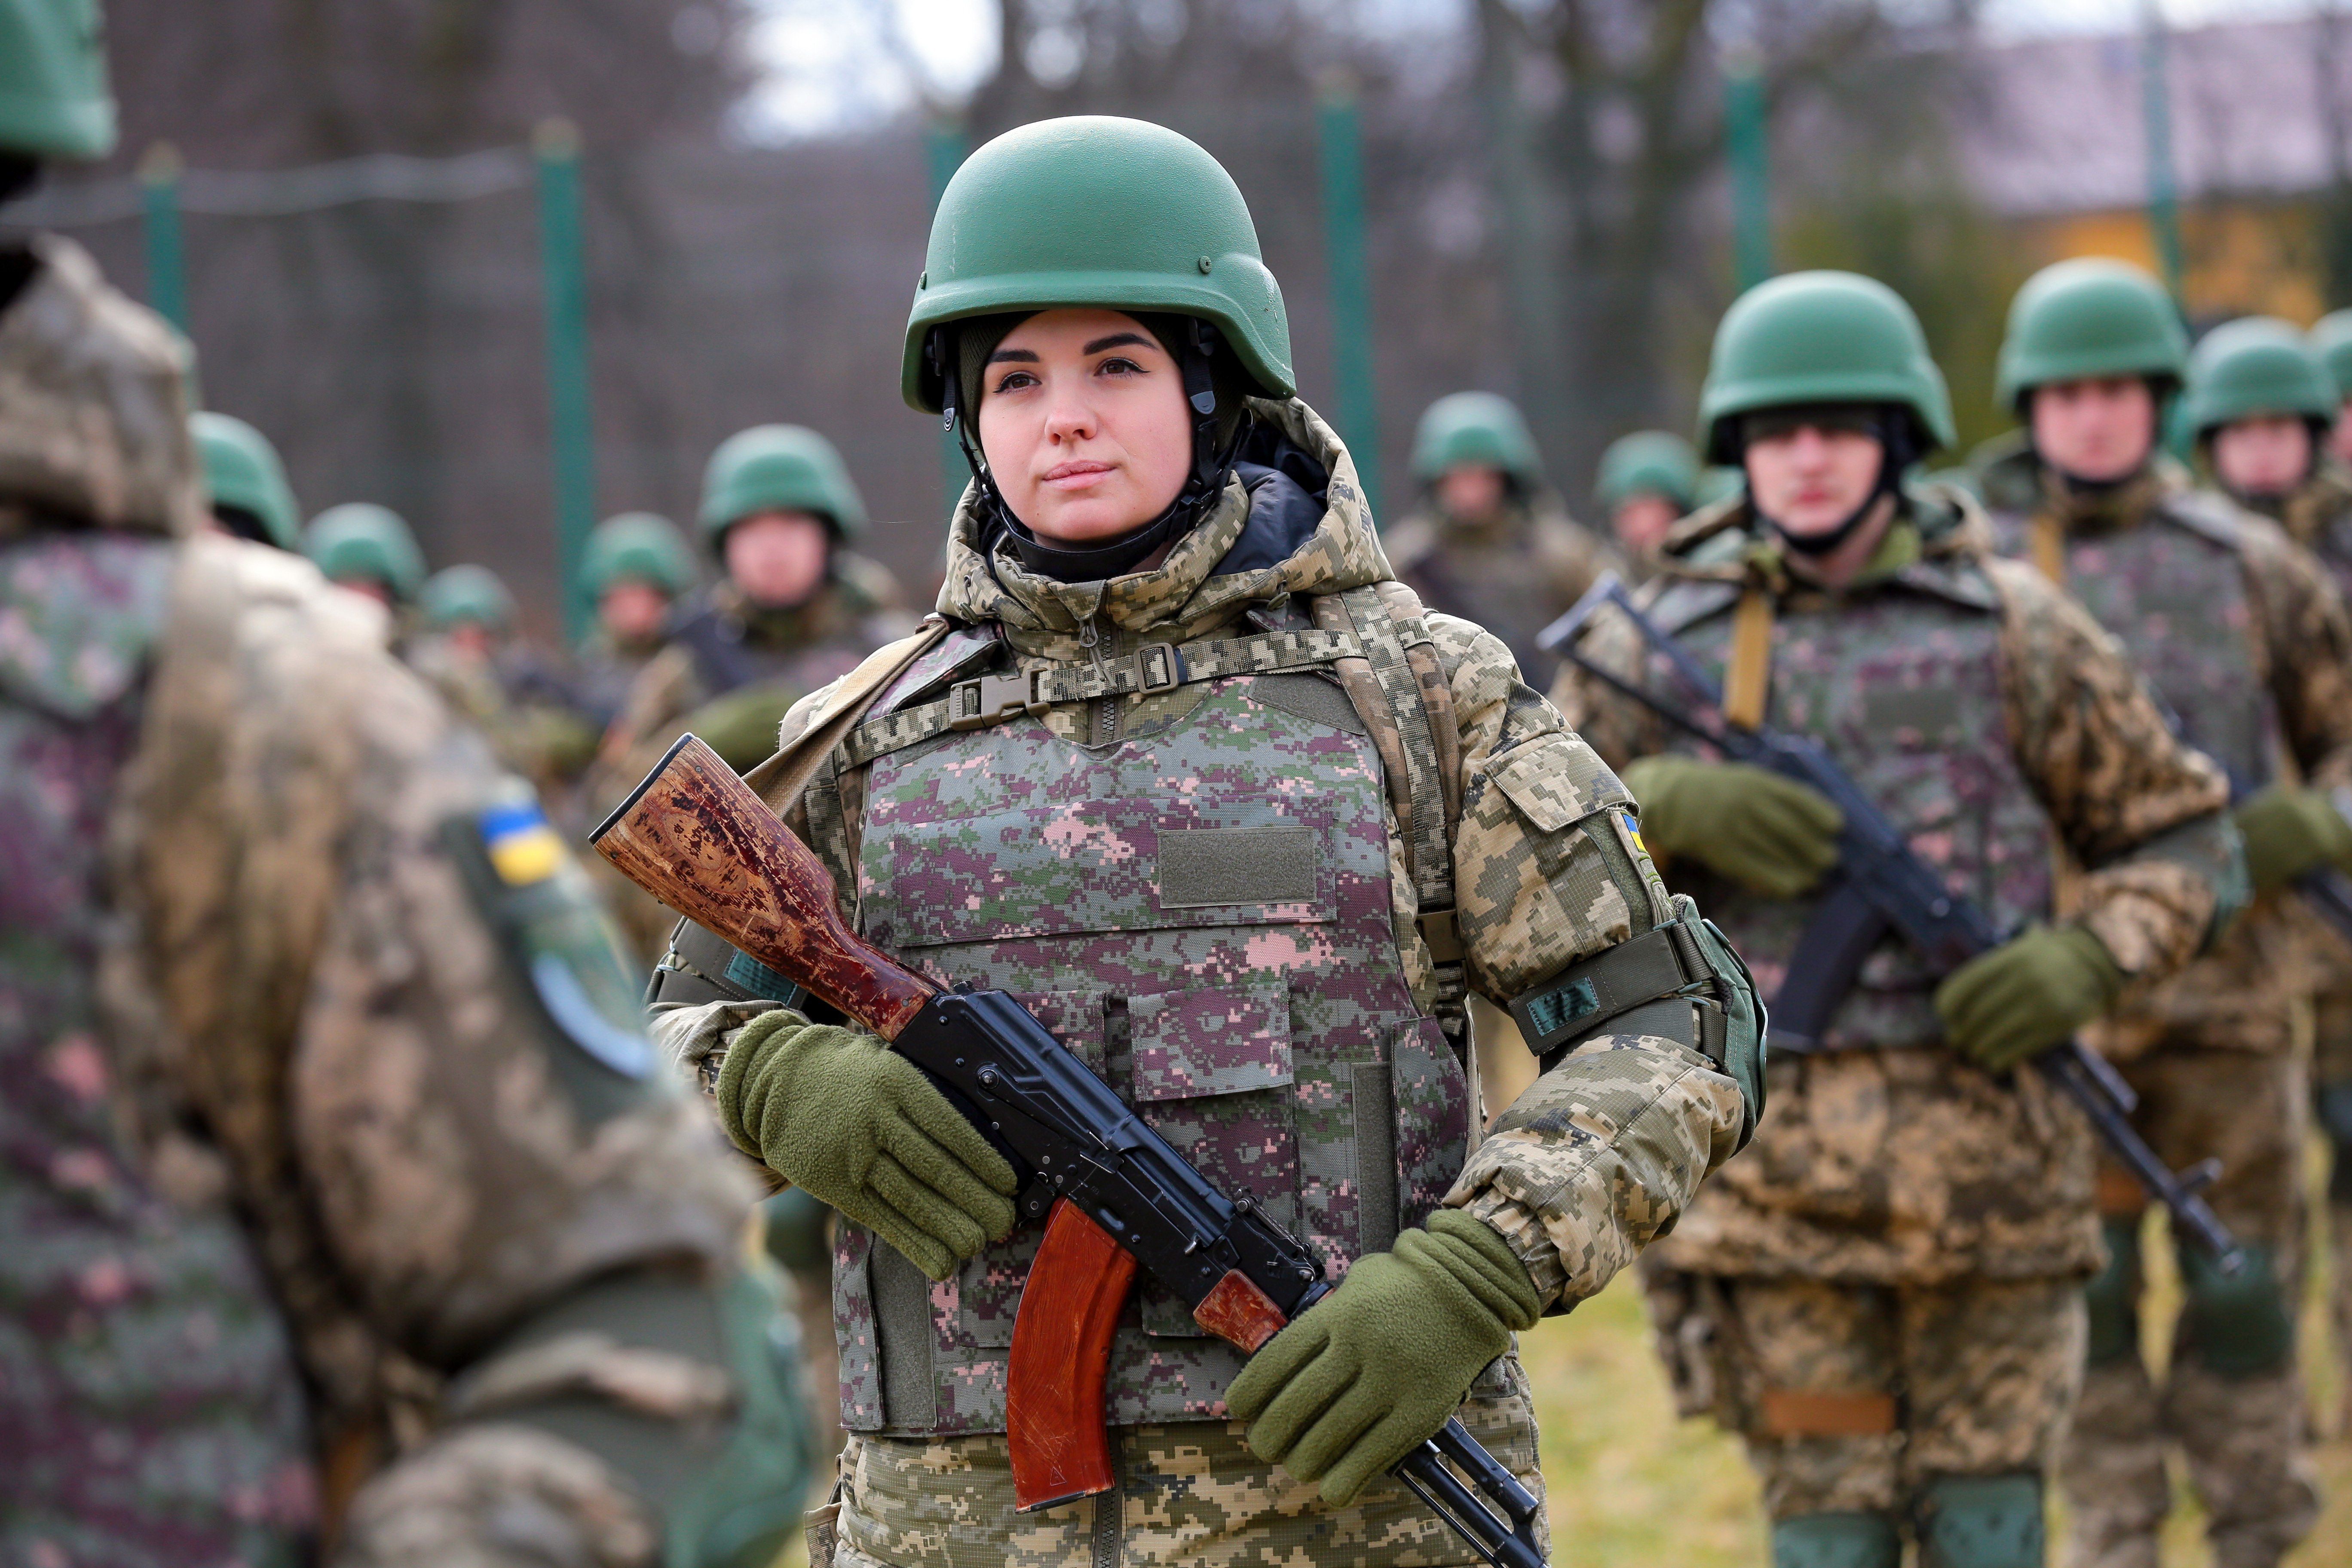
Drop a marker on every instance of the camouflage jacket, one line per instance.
(1609, 1146)
(1513, 576)
(528, 713)
(1991, 719)
(325, 1145)
(2316, 515)
(2241, 634)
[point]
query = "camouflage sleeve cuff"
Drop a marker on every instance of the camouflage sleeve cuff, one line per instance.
(1598, 1159)
(695, 1038)
(2157, 910)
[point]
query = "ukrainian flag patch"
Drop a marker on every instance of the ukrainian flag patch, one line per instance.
(522, 848)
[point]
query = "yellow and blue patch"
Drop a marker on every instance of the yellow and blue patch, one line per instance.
(522, 848)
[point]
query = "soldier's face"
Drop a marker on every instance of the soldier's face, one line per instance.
(778, 558)
(1470, 492)
(2339, 440)
(1643, 522)
(366, 588)
(633, 612)
(1811, 479)
(2101, 428)
(2267, 455)
(1084, 421)
(471, 639)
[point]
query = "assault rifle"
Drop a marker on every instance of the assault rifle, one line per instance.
(1880, 885)
(696, 837)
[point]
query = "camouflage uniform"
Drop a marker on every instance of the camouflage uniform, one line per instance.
(1883, 1294)
(1295, 1034)
(318, 1221)
(2240, 633)
(528, 713)
(2318, 516)
(731, 666)
(1513, 575)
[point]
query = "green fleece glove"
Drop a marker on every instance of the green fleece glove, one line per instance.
(1770, 835)
(1365, 1374)
(2289, 831)
(839, 1113)
(2027, 994)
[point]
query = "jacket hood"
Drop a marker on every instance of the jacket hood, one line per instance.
(96, 393)
(1246, 550)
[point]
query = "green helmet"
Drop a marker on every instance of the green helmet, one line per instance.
(242, 471)
(2332, 336)
(1820, 337)
(641, 546)
(1647, 462)
(2089, 316)
(54, 102)
(2256, 364)
(1716, 482)
(472, 595)
(360, 539)
(1093, 210)
(1475, 427)
(778, 468)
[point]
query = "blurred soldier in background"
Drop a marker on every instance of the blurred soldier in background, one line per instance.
(2332, 336)
(369, 550)
(795, 608)
(470, 650)
(1647, 480)
(1491, 540)
(244, 482)
(1884, 1296)
(2245, 639)
(638, 567)
(347, 1210)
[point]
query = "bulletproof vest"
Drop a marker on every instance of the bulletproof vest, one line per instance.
(1902, 683)
(100, 1273)
(2173, 592)
(1200, 911)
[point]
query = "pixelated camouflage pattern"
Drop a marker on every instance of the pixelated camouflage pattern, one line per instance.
(96, 395)
(488, 1495)
(1513, 575)
(1357, 931)
(152, 1411)
(2244, 1439)
(1191, 1495)
(1905, 1164)
(1980, 1374)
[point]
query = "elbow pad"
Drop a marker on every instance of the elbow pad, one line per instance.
(1680, 981)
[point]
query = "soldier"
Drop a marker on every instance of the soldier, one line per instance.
(348, 1212)
(1169, 554)
(2332, 336)
(469, 650)
(244, 482)
(1883, 1298)
(368, 550)
(638, 567)
(2240, 633)
(1647, 480)
(1491, 540)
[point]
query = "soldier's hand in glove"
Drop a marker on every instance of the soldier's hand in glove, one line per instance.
(2289, 831)
(1365, 1374)
(1770, 835)
(838, 1112)
(2027, 994)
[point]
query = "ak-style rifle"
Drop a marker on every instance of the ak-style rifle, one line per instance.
(1113, 1196)
(1879, 884)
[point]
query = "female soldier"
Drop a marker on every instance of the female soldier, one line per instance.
(1178, 764)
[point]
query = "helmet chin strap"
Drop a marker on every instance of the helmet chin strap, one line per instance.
(1213, 462)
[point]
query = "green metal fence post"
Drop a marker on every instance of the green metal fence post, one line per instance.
(167, 278)
(1748, 148)
(1351, 272)
(2156, 112)
(564, 262)
(943, 147)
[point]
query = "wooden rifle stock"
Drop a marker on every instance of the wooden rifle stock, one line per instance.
(699, 838)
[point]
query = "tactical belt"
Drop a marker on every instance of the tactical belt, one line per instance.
(1663, 966)
(1157, 667)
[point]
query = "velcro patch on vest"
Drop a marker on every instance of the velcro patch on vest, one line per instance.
(1210, 868)
(1555, 1010)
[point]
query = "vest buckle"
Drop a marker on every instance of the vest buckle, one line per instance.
(993, 698)
(1158, 669)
